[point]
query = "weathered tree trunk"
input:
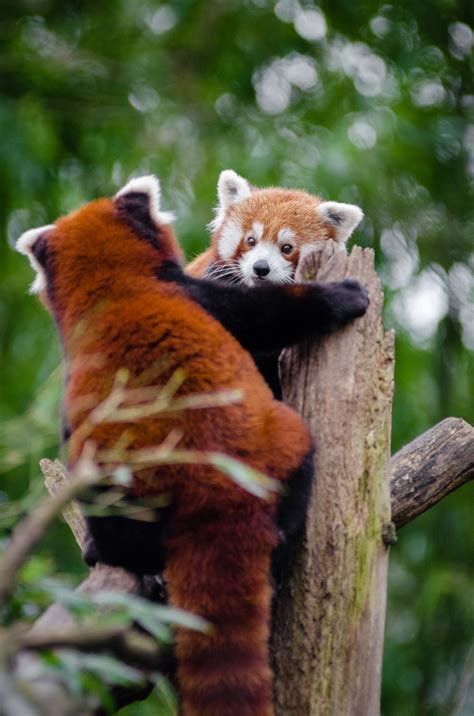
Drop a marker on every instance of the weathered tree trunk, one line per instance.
(329, 619)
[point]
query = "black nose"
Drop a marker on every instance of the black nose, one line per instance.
(261, 268)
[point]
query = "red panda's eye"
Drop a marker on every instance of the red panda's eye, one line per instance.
(251, 241)
(287, 248)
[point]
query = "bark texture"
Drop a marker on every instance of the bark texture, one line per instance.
(330, 613)
(55, 478)
(430, 467)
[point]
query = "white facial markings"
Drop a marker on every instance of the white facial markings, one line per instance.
(148, 185)
(286, 236)
(24, 245)
(281, 270)
(229, 239)
(257, 230)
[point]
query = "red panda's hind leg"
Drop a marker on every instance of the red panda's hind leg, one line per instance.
(291, 516)
(135, 545)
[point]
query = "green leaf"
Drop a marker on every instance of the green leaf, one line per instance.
(152, 617)
(251, 480)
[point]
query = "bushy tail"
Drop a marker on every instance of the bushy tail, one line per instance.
(220, 570)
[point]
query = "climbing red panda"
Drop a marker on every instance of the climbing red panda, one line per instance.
(260, 235)
(110, 274)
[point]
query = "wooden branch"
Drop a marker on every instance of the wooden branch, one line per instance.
(55, 478)
(130, 645)
(430, 467)
(329, 616)
(29, 532)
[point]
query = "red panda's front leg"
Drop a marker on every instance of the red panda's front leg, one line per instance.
(273, 317)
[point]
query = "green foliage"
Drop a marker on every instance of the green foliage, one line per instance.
(85, 673)
(121, 609)
(162, 701)
(29, 599)
(368, 103)
(89, 674)
(251, 480)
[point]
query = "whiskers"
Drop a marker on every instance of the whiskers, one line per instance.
(233, 272)
(228, 271)
(287, 278)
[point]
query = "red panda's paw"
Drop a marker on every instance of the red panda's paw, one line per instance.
(89, 551)
(348, 300)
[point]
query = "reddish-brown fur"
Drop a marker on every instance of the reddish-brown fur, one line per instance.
(275, 208)
(113, 313)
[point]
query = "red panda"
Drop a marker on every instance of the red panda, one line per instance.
(110, 274)
(260, 235)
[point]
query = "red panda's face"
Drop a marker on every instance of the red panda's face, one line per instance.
(265, 235)
(261, 234)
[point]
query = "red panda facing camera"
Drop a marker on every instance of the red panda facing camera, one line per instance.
(260, 235)
(111, 276)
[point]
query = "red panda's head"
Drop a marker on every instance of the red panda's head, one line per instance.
(108, 242)
(261, 234)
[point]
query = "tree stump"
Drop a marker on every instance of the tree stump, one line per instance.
(330, 614)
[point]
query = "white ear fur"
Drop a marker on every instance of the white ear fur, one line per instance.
(232, 188)
(24, 245)
(27, 240)
(343, 217)
(148, 185)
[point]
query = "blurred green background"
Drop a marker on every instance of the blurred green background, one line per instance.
(364, 102)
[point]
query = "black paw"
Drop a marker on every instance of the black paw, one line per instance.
(351, 300)
(89, 553)
(154, 588)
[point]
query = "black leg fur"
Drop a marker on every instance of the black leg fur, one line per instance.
(134, 545)
(291, 516)
(121, 541)
(268, 367)
(270, 318)
(292, 507)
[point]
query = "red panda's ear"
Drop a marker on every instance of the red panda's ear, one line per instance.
(232, 189)
(343, 217)
(147, 188)
(33, 244)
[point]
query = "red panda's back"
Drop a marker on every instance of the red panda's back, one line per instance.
(162, 332)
